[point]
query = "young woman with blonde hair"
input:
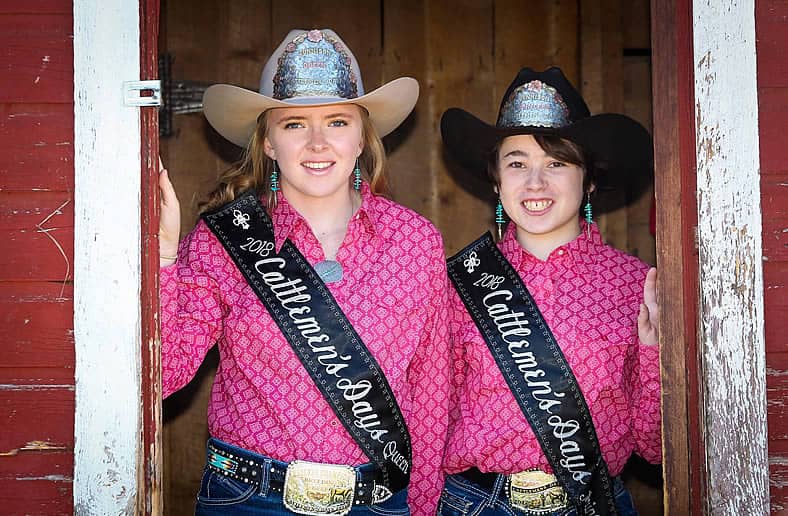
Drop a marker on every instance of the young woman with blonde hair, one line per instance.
(326, 299)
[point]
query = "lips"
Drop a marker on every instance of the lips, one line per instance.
(317, 165)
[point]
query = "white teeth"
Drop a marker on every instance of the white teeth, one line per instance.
(317, 165)
(537, 205)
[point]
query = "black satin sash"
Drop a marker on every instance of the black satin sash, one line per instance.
(314, 325)
(535, 370)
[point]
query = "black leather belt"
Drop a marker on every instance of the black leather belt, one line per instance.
(249, 468)
(485, 480)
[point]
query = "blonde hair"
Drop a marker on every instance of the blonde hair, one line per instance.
(253, 171)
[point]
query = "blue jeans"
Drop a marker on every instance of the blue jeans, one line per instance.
(462, 497)
(223, 495)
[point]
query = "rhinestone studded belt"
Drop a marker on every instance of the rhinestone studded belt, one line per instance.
(307, 487)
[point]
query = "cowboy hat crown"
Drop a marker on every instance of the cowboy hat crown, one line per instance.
(309, 68)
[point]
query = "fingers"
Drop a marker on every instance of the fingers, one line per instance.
(642, 315)
(650, 285)
(169, 217)
(168, 197)
(648, 331)
(648, 315)
(650, 289)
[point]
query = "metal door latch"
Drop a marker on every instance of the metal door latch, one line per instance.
(133, 93)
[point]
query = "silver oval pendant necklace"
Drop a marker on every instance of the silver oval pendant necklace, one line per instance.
(330, 271)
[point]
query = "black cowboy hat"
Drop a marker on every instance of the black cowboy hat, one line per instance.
(546, 103)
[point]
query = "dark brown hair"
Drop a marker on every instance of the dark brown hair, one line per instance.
(556, 147)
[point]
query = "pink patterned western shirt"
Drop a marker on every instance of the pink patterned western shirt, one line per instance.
(589, 293)
(394, 292)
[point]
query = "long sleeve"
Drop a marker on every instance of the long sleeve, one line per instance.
(644, 384)
(191, 310)
(458, 327)
(646, 414)
(429, 377)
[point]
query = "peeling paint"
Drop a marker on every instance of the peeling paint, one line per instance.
(731, 339)
(107, 431)
(45, 387)
(54, 478)
(35, 446)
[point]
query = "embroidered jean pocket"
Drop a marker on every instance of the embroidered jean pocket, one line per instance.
(453, 505)
(216, 489)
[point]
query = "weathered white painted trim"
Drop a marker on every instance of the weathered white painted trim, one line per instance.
(731, 343)
(107, 257)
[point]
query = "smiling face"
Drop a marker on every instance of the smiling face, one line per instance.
(315, 149)
(540, 193)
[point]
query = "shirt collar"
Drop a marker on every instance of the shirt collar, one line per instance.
(287, 219)
(583, 251)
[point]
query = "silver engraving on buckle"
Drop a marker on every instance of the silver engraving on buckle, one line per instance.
(316, 489)
(536, 492)
(381, 494)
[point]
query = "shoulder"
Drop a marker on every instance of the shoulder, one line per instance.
(201, 233)
(203, 248)
(398, 223)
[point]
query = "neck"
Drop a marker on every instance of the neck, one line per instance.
(328, 217)
(541, 245)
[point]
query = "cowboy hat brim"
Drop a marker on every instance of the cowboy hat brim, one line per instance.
(620, 146)
(234, 111)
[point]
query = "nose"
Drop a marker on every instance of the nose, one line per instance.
(317, 140)
(535, 177)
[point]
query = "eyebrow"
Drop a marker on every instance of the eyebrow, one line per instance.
(298, 118)
(516, 152)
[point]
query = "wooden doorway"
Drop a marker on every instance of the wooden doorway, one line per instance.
(464, 53)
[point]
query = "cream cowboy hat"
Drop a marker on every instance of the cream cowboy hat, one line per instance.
(309, 68)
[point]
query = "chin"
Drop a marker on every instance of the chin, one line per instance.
(537, 229)
(318, 189)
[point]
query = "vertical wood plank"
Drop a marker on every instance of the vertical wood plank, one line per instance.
(106, 293)
(771, 24)
(602, 87)
(638, 104)
(149, 455)
(404, 54)
(459, 74)
(538, 34)
(635, 31)
(731, 272)
(671, 23)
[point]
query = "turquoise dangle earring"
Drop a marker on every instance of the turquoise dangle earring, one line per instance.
(357, 177)
(275, 179)
(589, 215)
(499, 219)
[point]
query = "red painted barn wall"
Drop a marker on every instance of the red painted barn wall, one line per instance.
(771, 26)
(37, 240)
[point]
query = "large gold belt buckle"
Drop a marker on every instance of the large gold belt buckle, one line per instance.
(314, 488)
(536, 492)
